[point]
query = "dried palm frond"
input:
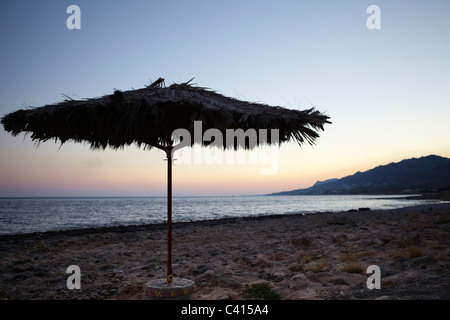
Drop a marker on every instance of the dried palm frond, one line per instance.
(148, 116)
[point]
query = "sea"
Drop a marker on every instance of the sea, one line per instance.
(27, 215)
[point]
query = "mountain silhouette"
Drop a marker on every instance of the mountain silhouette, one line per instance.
(416, 175)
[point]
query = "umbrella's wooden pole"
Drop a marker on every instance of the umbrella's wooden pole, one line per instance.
(169, 216)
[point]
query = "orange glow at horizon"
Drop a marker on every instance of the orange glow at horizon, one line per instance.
(74, 169)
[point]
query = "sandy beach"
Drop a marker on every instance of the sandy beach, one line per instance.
(316, 256)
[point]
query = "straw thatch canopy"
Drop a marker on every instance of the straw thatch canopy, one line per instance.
(148, 116)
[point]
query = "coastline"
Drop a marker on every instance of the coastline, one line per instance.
(30, 215)
(444, 200)
(299, 256)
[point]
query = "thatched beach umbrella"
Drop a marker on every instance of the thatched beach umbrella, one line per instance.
(147, 117)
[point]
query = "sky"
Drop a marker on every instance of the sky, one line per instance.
(385, 90)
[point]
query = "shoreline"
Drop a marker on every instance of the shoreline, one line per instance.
(311, 256)
(175, 224)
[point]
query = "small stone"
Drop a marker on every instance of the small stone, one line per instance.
(273, 276)
(340, 238)
(301, 242)
(220, 271)
(297, 268)
(382, 298)
(229, 280)
(202, 269)
(108, 285)
(424, 260)
(261, 262)
(118, 270)
(270, 251)
(401, 262)
(207, 278)
(340, 281)
(342, 221)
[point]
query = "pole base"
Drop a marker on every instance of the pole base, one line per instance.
(179, 289)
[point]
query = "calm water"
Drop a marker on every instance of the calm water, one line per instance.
(23, 215)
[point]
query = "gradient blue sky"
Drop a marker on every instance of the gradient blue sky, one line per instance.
(386, 91)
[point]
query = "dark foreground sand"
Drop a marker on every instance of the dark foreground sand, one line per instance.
(320, 256)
